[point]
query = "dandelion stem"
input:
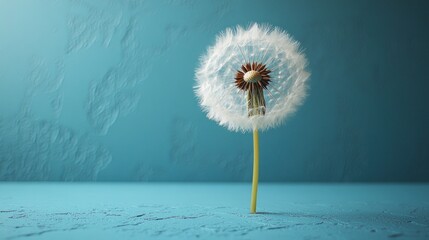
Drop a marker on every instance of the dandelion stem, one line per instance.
(255, 170)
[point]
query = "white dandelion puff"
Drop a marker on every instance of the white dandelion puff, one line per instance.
(251, 78)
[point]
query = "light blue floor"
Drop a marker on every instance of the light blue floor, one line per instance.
(209, 211)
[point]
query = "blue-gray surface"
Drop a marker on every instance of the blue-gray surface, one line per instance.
(211, 211)
(103, 90)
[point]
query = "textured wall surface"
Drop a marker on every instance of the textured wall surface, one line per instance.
(103, 90)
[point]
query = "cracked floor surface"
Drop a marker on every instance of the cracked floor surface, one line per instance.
(211, 211)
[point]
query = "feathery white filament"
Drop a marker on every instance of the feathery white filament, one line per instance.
(225, 103)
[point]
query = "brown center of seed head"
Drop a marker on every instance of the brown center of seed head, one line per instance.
(253, 78)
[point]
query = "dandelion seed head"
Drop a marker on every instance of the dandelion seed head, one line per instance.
(252, 77)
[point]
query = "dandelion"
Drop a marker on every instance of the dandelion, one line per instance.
(252, 79)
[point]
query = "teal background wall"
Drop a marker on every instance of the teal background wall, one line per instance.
(103, 90)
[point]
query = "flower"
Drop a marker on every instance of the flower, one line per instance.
(252, 78)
